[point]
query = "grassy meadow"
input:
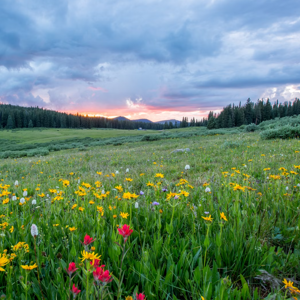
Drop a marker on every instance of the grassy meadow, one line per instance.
(220, 221)
(45, 135)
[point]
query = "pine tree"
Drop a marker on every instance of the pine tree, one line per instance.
(10, 123)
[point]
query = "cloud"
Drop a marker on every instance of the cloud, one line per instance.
(97, 89)
(177, 56)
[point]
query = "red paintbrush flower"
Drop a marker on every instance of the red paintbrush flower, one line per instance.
(75, 291)
(96, 263)
(101, 275)
(140, 296)
(72, 268)
(125, 231)
(88, 240)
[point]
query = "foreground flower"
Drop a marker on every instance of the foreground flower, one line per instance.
(222, 215)
(29, 268)
(159, 175)
(75, 291)
(89, 256)
(288, 284)
(155, 203)
(207, 218)
(3, 262)
(34, 230)
(125, 231)
(140, 296)
(72, 268)
(88, 240)
(124, 215)
(100, 210)
(101, 275)
(207, 190)
(95, 263)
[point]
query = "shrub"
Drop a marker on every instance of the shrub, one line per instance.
(251, 127)
(284, 132)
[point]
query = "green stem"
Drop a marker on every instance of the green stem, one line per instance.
(121, 272)
(206, 247)
(87, 283)
(26, 275)
(38, 273)
(130, 213)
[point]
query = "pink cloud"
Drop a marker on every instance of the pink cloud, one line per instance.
(97, 89)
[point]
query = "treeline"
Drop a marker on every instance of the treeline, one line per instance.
(193, 122)
(235, 116)
(12, 116)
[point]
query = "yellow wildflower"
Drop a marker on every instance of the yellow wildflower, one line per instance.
(207, 218)
(159, 175)
(89, 256)
(124, 215)
(100, 210)
(288, 284)
(222, 215)
(29, 268)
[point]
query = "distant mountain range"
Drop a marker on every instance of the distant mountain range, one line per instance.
(173, 121)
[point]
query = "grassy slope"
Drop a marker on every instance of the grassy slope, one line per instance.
(247, 238)
(48, 135)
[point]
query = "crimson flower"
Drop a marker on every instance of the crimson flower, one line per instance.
(125, 231)
(140, 296)
(88, 240)
(75, 291)
(96, 263)
(72, 268)
(101, 275)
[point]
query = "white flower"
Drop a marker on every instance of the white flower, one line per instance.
(117, 172)
(25, 193)
(207, 190)
(34, 230)
(136, 205)
(78, 181)
(103, 192)
(267, 177)
(22, 200)
(187, 167)
(287, 188)
(16, 183)
(245, 166)
(14, 198)
(127, 170)
(298, 184)
(33, 202)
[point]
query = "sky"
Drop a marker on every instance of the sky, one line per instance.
(154, 59)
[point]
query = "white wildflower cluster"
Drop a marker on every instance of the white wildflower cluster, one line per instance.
(34, 230)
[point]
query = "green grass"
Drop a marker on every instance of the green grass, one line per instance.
(42, 135)
(173, 253)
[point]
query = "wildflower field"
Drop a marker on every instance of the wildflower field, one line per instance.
(139, 221)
